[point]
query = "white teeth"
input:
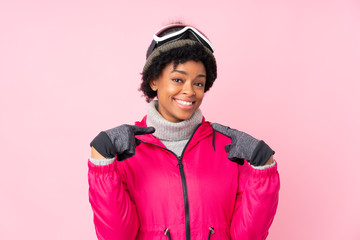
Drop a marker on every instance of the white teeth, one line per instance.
(184, 102)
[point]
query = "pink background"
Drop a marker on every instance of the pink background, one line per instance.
(288, 72)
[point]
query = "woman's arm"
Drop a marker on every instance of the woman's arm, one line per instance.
(256, 202)
(115, 215)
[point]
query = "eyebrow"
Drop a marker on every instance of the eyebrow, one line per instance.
(185, 73)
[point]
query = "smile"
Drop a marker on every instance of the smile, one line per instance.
(186, 103)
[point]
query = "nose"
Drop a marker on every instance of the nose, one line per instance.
(188, 88)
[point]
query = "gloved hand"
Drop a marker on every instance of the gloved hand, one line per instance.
(119, 141)
(243, 146)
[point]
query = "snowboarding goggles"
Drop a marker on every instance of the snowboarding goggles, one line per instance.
(186, 32)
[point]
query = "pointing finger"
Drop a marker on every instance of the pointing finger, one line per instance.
(222, 129)
(142, 130)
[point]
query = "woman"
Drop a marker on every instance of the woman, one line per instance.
(173, 177)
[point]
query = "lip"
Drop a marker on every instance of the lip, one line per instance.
(185, 107)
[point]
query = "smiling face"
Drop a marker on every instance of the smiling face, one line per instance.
(180, 90)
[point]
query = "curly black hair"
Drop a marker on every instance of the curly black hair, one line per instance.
(195, 52)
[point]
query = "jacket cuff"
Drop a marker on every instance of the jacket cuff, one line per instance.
(264, 172)
(101, 162)
(102, 170)
(263, 167)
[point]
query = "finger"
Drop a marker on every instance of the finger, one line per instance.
(142, 130)
(121, 157)
(237, 160)
(222, 129)
(130, 152)
(232, 154)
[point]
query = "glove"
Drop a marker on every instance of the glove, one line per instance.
(243, 146)
(119, 141)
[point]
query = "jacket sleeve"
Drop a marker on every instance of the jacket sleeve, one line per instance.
(115, 215)
(256, 203)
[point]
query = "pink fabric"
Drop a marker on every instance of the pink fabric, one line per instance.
(140, 197)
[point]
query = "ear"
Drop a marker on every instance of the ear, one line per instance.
(154, 84)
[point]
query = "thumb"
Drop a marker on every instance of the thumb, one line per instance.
(142, 130)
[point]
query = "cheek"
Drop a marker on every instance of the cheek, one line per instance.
(168, 91)
(200, 94)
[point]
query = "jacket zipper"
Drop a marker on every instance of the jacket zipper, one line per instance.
(183, 182)
(186, 198)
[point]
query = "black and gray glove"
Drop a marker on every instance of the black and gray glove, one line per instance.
(119, 141)
(243, 146)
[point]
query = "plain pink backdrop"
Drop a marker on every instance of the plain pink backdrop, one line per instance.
(288, 72)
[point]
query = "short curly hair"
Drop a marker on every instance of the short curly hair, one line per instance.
(195, 51)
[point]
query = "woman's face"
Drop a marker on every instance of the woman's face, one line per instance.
(180, 91)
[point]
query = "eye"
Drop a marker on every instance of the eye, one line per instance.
(178, 80)
(199, 84)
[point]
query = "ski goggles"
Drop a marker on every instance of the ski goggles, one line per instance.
(186, 32)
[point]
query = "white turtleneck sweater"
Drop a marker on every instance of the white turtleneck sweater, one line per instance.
(173, 135)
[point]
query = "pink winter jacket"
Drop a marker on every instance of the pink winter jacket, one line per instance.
(155, 193)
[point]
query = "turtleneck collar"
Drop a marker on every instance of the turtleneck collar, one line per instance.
(170, 131)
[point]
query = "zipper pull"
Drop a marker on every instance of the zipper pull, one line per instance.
(180, 164)
(211, 231)
(167, 232)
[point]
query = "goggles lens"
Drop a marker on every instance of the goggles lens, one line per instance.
(185, 33)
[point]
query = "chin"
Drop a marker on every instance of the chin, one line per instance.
(184, 117)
